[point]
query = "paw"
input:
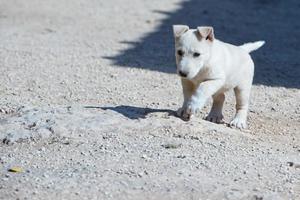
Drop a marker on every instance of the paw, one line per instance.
(238, 123)
(187, 112)
(215, 117)
(180, 111)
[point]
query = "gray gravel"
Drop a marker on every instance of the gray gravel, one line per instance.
(87, 101)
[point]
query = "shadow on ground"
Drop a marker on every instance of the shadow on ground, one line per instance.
(236, 22)
(133, 112)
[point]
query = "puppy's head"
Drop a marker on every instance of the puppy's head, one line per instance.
(192, 49)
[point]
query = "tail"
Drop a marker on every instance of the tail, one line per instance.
(252, 46)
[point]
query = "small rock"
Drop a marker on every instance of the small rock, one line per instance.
(45, 176)
(171, 146)
(181, 156)
(258, 197)
(30, 126)
(292, 164)
(42, 149)
(15, 169)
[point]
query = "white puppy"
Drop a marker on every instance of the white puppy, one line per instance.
(209, 67)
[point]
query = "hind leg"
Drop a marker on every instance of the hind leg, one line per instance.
(215, 115)
(242, 95)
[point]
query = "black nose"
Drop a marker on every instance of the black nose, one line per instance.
(181, 73)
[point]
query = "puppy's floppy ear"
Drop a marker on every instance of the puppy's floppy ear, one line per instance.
(206, 32)
(179, 30)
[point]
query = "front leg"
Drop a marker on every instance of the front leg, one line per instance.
(201, 94)
(188, 88)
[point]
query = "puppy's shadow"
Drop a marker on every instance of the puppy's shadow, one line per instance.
(236, 22)
(133, 112)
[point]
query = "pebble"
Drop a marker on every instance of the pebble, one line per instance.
(181, 156)
(42, 149)
(144, 156)
(45, 176)
(295, 165)
(15, 169)
(171, 146)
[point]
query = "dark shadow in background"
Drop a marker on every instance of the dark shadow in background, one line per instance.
(236, 22)
(133, 112)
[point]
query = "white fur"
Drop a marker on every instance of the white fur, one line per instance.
(252, 46)
(219, 68)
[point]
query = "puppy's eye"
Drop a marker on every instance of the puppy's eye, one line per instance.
(180, 52)
(196, 54)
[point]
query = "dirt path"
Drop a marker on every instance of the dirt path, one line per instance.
(87, 98)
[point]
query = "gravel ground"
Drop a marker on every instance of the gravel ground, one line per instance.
(88, 94)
